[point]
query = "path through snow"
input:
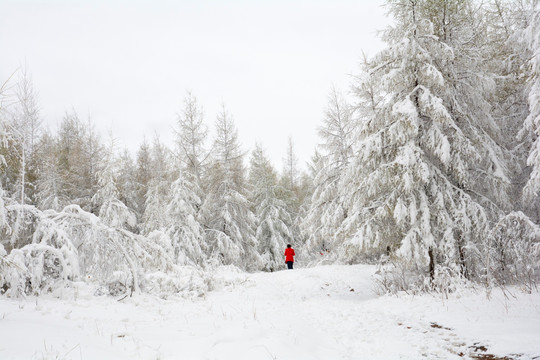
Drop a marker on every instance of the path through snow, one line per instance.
(327, 312)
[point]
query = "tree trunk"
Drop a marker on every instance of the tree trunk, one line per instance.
(431, 264)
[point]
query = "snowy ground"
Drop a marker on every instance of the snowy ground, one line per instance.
(302, 314)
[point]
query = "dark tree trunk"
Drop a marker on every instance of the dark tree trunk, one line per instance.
(431, 264)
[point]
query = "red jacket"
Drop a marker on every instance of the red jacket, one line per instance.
(289, 253)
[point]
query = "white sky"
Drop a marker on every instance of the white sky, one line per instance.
(127, 64)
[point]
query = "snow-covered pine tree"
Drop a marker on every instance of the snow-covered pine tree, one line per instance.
(294, 191)
(428, 173)
(157, 195)
(186, 195)
(183, 227)
(4, 227)
(468, 94)
(191, 141)
(326, 212)
(531, 191)
(513, 247)
(142, 178)
(273, 220)
(290, 173)
(35, 259)
(506, 55)
(50, 189)
(114, 241)
(126, 181)
(25, 128)
(338, 130)
(112, 211)
(310, 223)
(79, 151)
(290, 176)
(226, 213)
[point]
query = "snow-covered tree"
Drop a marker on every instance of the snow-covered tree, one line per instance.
(20, 171)
(186, 195)
(106, 255)
(293, 190)
(513, 249)
(4, 227)
(183, 227)
(532, 123)
(191, 140)
(157, 194)
(505, 56)
(26, 128)
(326, 212)
(44, 251)
(112, 211)
(226, 213)
(50, 189)
(79, 151)
(338, 130)
(273, 220)
(126, 180)
(143, 177)
(429, 173)
(290, 168)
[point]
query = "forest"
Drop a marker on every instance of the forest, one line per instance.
(428, 165)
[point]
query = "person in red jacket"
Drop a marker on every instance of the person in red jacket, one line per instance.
(289, 256)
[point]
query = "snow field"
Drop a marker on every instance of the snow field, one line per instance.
(302, 314)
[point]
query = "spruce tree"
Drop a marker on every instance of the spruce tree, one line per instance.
(326, 212)
(191, 141)
(429, 174)
(226, 213)
(50, 187)
(531, 191)
(183, 227)
(157, 194)
(273, 220)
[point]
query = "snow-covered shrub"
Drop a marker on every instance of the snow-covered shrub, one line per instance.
(21, 221)
(395, 274)
(227, 277)
(322, 257)
(12, 275)
(448, 280)
(74, 244)
(513, 252)
(64, 245)
(122, 261)
(34, 269)
(119, 284)
(102, 250)
(161, 251)
(510, 255)
(48, 262)
(186, 281)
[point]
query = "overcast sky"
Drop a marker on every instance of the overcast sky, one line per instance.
(127, 64)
